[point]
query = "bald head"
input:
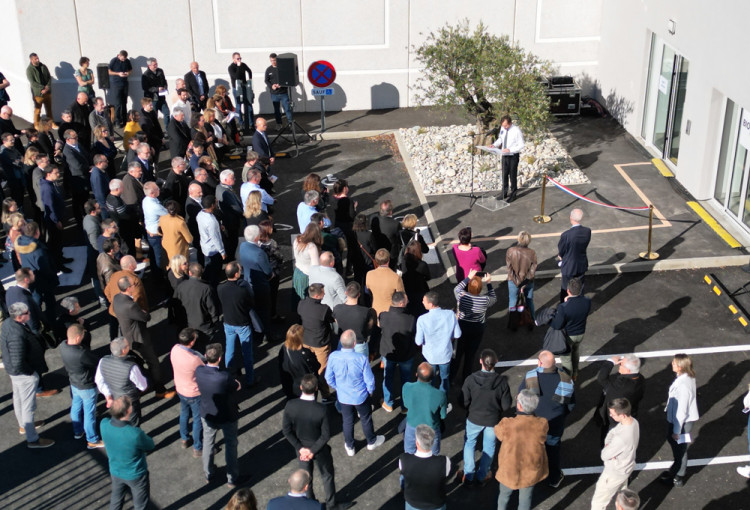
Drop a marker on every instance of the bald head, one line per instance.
(299, 481)
(425, 372)
(546, 359)
(6, 112)
(82, 98)
(327, 259)
(128, 263)
(195, 190)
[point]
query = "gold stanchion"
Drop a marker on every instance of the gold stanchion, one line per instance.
(543, 218)
(648, 254)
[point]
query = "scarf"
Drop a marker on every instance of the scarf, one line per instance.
(564, 390)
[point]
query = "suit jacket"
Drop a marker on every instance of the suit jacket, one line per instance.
(305, 424)
(382, 283)
(191, 84)
(111, 290)
(386, 231)
(230, 205)
(179, 138)
(175, 188)
(151, 81)
(572, 315)
(293, 503)
(572, 250)
(132, 193)
(150, 125)
(78, 161)
(192, 208)
(629, 386)
(255, 266)
(260, 145)
(132, 318)
(218, 394)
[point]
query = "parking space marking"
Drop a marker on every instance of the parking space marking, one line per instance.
(663, 222)
(649, 466)
(668, 353)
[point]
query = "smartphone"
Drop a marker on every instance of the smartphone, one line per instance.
(481, 274)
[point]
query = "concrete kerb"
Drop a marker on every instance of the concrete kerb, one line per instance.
(617, 268)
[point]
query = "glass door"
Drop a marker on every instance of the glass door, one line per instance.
(733, 176)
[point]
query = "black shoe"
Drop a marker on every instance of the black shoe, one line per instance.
(66, 270)
(556, 483)
(512, 197)
(344, 505)
(666, 475)
(678, 481)
(278, 318)
(67, 260)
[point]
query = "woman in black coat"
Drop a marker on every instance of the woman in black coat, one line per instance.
(295, 361)
(415, 274)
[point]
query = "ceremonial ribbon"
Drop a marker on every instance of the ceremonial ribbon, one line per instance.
(595, 202)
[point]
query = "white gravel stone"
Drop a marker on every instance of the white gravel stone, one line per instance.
(441, 157)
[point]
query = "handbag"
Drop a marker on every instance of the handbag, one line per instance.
(556, 341)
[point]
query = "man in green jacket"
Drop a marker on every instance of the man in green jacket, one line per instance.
(126, 447)
(41, 88)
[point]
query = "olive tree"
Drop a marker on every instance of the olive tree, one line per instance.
(486, 74)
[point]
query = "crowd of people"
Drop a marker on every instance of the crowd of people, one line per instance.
(361, 291)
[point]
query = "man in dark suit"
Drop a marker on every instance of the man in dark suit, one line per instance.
(232, 212)
(627, 383)
(386, 231)
(571, 315)
(571, 251)
(296, 499)
(305, 426)
(261, 143)
(197, 84)
(150, 125)
(154, 85)
(133, 324)
(200, 302)
(179, 135)
(192, 207)
(78, 161)
(175, 185)
(219, 410)
(80, 111)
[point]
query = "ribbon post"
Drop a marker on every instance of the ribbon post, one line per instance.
(541, 217)
(648, 254)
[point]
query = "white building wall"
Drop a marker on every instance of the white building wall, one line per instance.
(368, 41)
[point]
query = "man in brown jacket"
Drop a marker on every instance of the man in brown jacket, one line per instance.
(522, 461)
(128, 264)
(382, 282)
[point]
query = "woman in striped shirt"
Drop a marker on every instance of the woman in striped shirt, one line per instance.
(472, 312)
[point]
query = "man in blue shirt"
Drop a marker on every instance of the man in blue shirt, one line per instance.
(100, 182)
(306, 209)
(152, 211)
(253, 184)
(435, 333)
(349, 373)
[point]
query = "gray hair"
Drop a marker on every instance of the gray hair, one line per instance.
(150, 61)
(177, 111)
(115, 184)
(628, 499)
(528, 400)
(133, 165)
(311, 196)
(425, 437)
(69, 303)
(252, 232)
(142, 147)
(632, 363)
(118, 345)
(17, 309)
(348, 339)
(177, 161)
(576, 215)
(226, 174)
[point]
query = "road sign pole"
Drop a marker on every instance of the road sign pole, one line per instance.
(322, 114)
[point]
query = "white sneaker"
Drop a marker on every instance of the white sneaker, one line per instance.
(378, 441)
(349, 451)
(744, 471)
(448, 409)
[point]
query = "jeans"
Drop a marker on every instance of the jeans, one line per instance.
(390, 370)
(161, 105)
(188, 406)
(84, 402)
(24, 403)
(157, 256)
(348, 412)
(524, 497)
(246, 344)
(243, 98)
(410, 440)
(528, 292)
(488, 450)
(442, 370)
(139, 488)
(283, 100)
(230, 449)
(679, 451)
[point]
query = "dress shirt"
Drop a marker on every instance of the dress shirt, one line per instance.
(135, 376)
(349, 373)
(265, 198)
(200, 83)
(511, 139)
(304, 213)
(183, 107)
(210, 234)
(152, 211)
(435, 331)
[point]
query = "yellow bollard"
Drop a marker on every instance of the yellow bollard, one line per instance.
(543, 218)
(648, 254)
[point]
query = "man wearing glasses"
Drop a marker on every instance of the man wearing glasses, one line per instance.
(100, 116)
(241, 79)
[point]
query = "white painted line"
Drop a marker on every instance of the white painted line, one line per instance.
(648, 354)
(649, 466)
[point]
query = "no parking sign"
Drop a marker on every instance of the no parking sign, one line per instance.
(321, 74)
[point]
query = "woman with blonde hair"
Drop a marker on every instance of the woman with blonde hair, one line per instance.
(221, 142)
(243, 499)
(254, 212)
(522, 263)
(17, 223)
(177, 274)
(306, 250)
(472, 315)
(409, 232)
(682, 413)
(9, 207)
(295, 361)
(104, 144)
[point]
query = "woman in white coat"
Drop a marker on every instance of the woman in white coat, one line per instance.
(682, 413)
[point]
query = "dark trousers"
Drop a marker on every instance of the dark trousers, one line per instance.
(324, 461)
(467, 346)
(146, 350)
(510, 172)
(553, 445)
(213, 269)
(348, 413)
(139, 488)
(55, 243)
(231, 241)
(119, 97)
(274, 296)
(679, 451)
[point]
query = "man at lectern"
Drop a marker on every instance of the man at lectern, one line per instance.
(510, 143)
